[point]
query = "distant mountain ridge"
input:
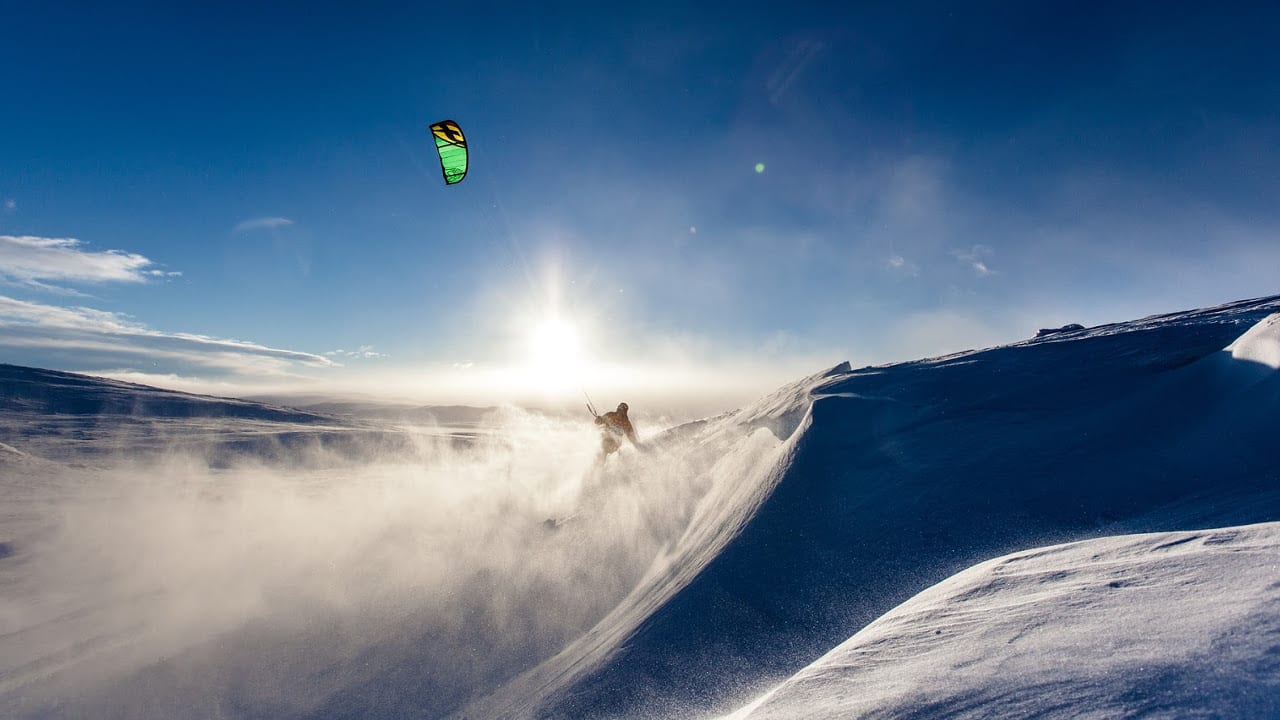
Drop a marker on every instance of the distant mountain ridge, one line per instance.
(453, 415)
(40, 391)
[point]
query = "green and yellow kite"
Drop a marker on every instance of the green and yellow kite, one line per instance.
(452, 146)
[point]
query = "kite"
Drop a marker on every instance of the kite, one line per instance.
(452, 147)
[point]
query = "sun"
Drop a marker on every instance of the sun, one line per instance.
(556, 357)
(554, 342)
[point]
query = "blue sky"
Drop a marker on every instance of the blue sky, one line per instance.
(238, 199)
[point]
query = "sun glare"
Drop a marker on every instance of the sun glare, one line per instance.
(556, 356)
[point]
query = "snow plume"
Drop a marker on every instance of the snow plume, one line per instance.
(389, 580)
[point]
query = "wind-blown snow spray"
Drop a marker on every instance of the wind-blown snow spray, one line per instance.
(402, 585)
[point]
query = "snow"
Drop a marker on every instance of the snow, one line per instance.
(905, 474)
(1182, 624)
(1261, 344)
(748, 452)
(165, 555)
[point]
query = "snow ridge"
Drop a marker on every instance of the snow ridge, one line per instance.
(902, 475)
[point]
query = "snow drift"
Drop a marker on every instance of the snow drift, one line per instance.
(1180, 624)
(1261, 344)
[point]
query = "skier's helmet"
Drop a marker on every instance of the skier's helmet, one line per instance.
(622, 408)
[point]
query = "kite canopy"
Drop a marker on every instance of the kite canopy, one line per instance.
(452, 146)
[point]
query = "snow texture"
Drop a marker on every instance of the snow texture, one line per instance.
(1180, 624)
(1261, 344)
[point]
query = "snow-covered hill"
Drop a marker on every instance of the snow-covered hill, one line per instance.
(49, 392)
(416, 578)
(78, 418)
(901, 475)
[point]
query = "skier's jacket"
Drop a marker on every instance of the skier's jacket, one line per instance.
(617, 423)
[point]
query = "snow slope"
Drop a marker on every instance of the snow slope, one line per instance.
(225, 565)
(754, 446)
(1183, 624)
(900, 476)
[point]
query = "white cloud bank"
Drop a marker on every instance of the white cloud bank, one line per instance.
(37, 261)
(87, 339)
(112, 338)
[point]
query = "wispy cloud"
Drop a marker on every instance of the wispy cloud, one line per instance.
(101, 337)
(39, 261)
(976, 259)
(262, 223)
(902, 266)
(364, 352)
(10, 205)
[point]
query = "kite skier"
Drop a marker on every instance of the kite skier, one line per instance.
(615, 426)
